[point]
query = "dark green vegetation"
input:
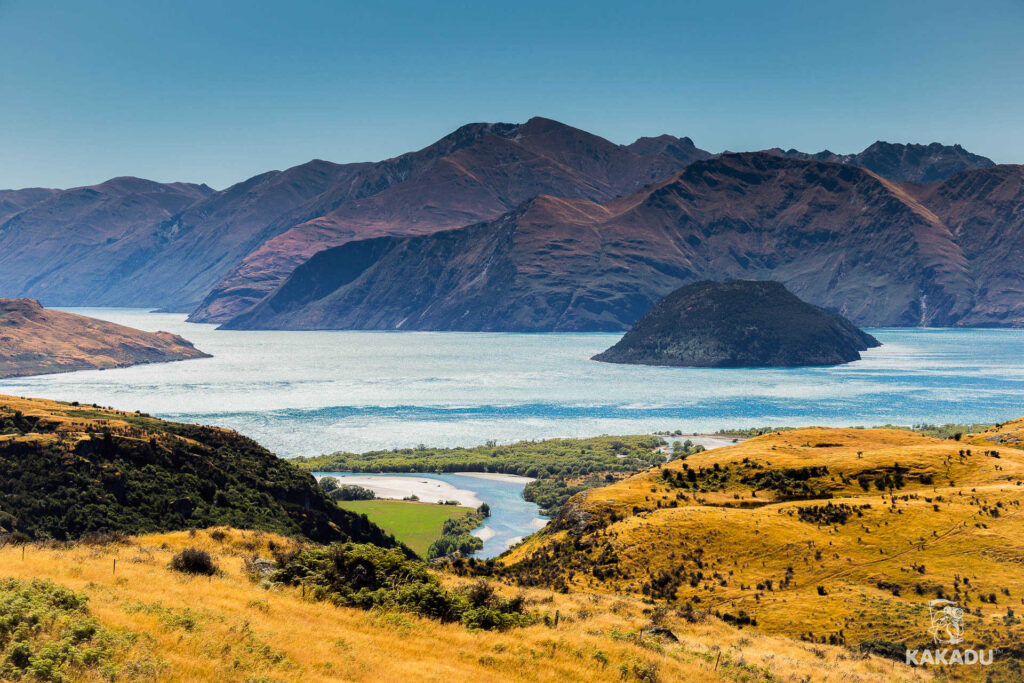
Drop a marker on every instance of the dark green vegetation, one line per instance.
(551, 493)
(456, 536)
(562, 467)
(739, 323)
(366, 576)
(67, 471)
(47, 634)
(336, 491)
(566, 457)
(945, 431)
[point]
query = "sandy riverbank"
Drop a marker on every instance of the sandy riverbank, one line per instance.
(396, 488)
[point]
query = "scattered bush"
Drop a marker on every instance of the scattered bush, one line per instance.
(194, 561)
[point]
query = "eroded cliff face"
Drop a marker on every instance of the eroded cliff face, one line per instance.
(984, 210)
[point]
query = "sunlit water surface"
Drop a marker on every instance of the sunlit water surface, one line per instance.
(305, 393)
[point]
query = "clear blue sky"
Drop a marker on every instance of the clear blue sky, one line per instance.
(218, 91)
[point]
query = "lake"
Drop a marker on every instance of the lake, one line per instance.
(306, 393)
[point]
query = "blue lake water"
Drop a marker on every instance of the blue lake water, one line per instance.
(305, 393)
(511, 518)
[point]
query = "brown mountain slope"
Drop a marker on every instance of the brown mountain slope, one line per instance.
(15, 201)
(478, 173)
(828, 535)
(837, 236)
(35, 341)
(77, 245)
(984, 209)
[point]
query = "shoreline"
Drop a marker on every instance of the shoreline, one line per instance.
(397, 487)
(497, 476)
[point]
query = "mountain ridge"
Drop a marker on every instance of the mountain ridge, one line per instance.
(838, 236)
(215, 253)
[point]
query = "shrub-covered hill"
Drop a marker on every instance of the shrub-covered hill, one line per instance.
(68, 470)
(119, 612)
(836, 536)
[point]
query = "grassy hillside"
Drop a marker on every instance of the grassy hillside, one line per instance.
(68, 470)
(150, 623)
(825, 535)
(415, 524)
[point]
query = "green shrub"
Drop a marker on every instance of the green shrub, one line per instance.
(46, 633)
(350, 492)
(367, 576)
(142, 475)
(456, 536)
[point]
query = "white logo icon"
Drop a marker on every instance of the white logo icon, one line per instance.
(947, 622)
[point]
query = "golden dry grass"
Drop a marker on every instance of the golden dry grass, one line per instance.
(736, 550)
(226, 628)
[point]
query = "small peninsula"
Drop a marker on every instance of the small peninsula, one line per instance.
(36, 341)
(738, 323)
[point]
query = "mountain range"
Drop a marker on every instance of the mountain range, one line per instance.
(837, 236)
(896, 218)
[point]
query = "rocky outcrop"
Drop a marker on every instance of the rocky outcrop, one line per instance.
(36, 341)
(739, 323)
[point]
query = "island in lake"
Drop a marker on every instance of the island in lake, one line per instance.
(738, 323)
(36, 341)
